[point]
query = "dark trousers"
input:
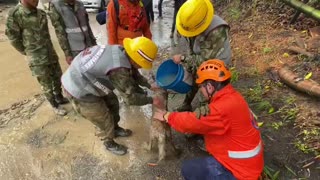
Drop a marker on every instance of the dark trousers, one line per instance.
(149, 12)
(160, 7)
(207, 168)
(174, 19)
(177, 5)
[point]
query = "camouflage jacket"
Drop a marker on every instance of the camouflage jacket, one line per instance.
(28, 33)
(209, 48)
(58, 23)
(127, 83)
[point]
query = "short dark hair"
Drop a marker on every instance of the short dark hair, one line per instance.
(217, 85)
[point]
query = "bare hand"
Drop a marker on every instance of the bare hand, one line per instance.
(158, 102)
(177, 58)
(159, 113)
(154, 86)
(69, 59)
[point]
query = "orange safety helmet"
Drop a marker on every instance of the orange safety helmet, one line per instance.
(213, 69)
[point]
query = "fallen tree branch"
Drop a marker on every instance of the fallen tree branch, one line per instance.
(296, 15)
(300, 51)
(300, 6)
(297, 83)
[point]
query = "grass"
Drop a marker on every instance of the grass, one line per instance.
(271, 173)
(267, 50)
(235, 75)
(234, 12)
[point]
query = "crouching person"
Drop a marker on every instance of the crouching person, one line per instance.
(94, 74)
(230, 132)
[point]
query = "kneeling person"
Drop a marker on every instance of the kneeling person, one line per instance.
(94, 74)
(230, 132)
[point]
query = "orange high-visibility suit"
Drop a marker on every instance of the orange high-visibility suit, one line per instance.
(130, 23)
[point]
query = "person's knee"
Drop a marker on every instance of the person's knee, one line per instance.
(189, 167)
(185, 170)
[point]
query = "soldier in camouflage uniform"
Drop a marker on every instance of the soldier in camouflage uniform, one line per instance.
(208, 38)
(27, 30)
(71, 22)
(94, 74)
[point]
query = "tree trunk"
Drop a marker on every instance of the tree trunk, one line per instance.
(300, 84)
(308, 10)
(160, 133)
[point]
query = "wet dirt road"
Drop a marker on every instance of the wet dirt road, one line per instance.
(37, 144)
(16, 80)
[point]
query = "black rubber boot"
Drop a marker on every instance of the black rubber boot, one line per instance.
(120, 132)
(115, 148)
(58, 110)
(60, 99)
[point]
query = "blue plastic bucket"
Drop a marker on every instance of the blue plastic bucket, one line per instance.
(174, 77)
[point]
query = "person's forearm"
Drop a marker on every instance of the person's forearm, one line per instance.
(60, 30)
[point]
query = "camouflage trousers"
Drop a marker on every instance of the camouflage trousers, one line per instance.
(104, 114)
(48, 77)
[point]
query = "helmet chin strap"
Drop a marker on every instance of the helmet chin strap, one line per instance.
(216, 88)
(209, 94)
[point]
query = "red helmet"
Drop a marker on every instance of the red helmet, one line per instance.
(213, 69)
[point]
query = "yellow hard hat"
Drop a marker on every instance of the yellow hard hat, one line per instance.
(194, 17)
(141, 50)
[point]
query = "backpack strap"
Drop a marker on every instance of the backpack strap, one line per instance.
(116, 7)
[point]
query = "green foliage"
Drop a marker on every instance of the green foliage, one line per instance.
(271, 173)
(235, 75)
(234, 13)
(302, 146)
(289, 111)
(255, 93)
(307, 136)
(264, 105)
(267, 50)
(277, 125)
(291, 171)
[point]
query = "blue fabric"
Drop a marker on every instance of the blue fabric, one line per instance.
(101, 17)
(207, 168)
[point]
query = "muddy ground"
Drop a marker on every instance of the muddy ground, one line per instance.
(36, 144)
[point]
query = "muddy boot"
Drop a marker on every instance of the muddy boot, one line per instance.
(120, 132)
(60, 99)
(58, 110)
(115, 148)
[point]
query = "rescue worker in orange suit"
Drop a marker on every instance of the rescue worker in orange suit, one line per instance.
(130, 22)
(230, 132)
